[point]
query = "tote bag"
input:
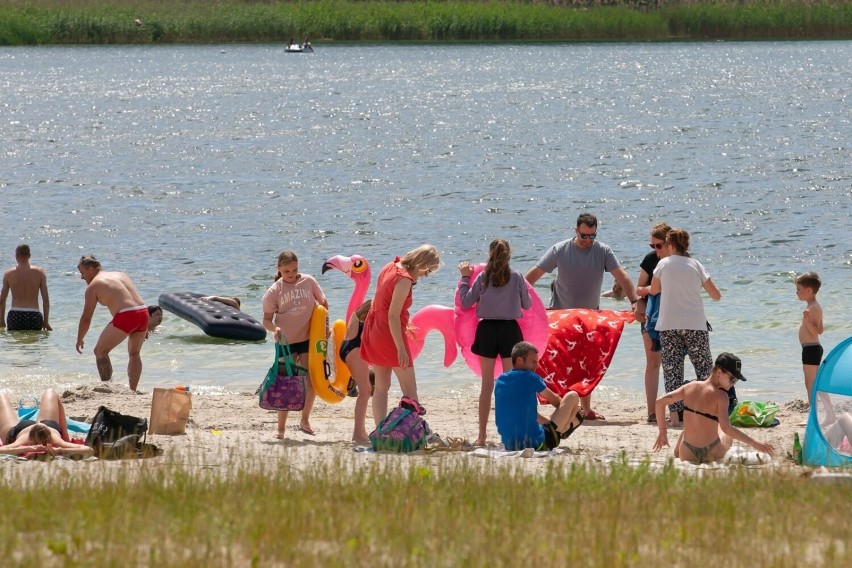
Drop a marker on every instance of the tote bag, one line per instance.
(283, 388)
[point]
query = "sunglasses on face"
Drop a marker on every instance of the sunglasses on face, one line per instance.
(733, 378)
(657, 246)
(589, 236)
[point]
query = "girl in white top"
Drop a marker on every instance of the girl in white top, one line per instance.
(682, 322)
(287, 309)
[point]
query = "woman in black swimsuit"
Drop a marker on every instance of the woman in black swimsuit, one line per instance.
(48, 435)
(350, 353)
(707, 433)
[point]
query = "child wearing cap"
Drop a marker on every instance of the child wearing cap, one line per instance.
(707, 433)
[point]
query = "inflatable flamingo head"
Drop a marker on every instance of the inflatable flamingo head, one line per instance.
(357, 268)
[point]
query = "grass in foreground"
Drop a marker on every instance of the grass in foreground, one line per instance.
(445, 515)
(33, 22)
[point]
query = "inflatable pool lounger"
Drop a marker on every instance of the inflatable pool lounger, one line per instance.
(214, 318)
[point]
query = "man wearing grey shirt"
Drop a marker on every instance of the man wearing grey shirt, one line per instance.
(580, 263)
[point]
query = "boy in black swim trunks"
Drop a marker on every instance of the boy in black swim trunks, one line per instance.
(807, 286)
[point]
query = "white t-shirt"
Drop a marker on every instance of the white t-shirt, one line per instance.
(681, 305)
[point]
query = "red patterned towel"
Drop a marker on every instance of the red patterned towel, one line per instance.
(580, 348)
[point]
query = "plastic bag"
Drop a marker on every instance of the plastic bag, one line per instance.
(754, 414)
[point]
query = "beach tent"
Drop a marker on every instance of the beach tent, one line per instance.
(827, 441)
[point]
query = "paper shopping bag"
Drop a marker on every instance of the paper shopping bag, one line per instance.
(169, 411)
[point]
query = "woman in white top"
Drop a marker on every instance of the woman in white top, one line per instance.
(682, 322)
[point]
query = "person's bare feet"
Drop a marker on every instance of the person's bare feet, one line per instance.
(480, 443)
(279, 435)
(361, 439)
(306, 428)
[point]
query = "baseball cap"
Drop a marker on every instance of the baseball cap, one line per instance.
(730, 363)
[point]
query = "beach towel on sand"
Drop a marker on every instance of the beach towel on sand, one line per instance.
(580, 348)
(74, 426)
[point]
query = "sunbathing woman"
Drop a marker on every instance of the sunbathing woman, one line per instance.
(48, 435)
(707, 433)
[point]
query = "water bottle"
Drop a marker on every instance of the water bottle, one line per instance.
(797, 449)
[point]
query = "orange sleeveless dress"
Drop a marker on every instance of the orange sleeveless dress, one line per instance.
(377, 346)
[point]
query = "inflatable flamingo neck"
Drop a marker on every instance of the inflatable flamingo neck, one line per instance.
(359, 293)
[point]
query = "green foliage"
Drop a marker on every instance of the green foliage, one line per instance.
(29, 22)
(441, 512)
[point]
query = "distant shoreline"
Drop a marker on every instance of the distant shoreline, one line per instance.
(93, 22)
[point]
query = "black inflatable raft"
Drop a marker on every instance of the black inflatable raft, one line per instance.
(214, 318)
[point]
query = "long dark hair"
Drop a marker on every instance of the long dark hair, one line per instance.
(497, 271)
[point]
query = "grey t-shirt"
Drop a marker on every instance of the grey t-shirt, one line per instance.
(579, 274)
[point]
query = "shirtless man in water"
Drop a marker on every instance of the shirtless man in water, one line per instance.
(25, 282)
(116, 291)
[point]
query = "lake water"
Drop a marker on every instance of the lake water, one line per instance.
(192, 167)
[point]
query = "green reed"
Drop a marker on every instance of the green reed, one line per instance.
(397, 511)
(28, 22)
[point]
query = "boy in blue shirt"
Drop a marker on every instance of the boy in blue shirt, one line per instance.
(516, 406)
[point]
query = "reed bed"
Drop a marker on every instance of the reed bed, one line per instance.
(445, 513)
(31, 22)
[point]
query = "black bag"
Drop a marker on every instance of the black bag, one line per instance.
(109, 426)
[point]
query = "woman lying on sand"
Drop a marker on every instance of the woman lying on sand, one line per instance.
(49, 435)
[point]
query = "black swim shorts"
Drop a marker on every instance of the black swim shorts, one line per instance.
(300, 347)
(551, 437)
(495, 338)
(812, 354)
(21, 320)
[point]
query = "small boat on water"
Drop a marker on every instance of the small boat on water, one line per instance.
(299, 48)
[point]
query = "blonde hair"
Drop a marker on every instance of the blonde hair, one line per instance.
(424, 257)
(285, 257)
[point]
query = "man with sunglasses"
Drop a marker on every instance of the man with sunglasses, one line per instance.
(580, 264)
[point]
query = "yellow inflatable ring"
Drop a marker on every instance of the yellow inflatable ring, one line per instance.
(327, 388)
(341, 373)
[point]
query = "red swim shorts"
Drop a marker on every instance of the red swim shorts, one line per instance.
(131, 320)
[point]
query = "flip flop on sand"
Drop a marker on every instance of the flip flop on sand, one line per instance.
(592, 415)
(652, 418)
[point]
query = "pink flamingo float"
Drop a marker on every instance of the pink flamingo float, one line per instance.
(533, 326)
(575, 346)
(427, 319)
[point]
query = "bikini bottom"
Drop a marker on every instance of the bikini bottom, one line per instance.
(701, 454)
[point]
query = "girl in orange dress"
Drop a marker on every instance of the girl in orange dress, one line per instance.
(384, 341)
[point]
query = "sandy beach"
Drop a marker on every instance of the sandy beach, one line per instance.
(229, 431)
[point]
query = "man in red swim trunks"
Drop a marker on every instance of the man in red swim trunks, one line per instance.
(116, 291)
